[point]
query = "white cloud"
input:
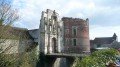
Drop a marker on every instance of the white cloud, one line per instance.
(101, 31)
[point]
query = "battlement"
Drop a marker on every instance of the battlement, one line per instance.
(74, 19)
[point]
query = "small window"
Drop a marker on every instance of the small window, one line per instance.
(55, 18)
(98, 45)
(50, 28)
(45, 19)
(74, 30)
(45, 27)
(67, 31)
(67, 40)
(53, 22)
(74, 42)
(53, 27)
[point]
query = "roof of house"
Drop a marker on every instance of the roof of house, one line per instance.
(14, 33)
(34, 33)
(104, 40)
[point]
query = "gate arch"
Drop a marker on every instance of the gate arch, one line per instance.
(54, 45)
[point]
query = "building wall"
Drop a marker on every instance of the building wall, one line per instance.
(12, 46)
(81, 35)
(115, 44)
(94, 46)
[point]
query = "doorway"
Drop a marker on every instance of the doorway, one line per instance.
(54, 45)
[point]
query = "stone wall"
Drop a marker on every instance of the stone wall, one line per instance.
(12, 46)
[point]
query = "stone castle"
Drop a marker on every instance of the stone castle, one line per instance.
(67, 35)
(60, 40)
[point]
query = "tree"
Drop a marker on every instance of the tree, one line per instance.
(8, 14)
(97, 59)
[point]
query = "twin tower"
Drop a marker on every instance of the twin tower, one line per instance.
(66, 35)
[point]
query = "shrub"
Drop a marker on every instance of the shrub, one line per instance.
(97, 59)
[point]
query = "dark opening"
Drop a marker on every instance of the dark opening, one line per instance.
(55, 18)
(74, 31)
(54, 50)
(74, 42)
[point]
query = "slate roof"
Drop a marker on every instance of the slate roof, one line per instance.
(104, 40)
(34, 33)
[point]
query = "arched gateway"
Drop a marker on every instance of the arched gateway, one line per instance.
(54, 45)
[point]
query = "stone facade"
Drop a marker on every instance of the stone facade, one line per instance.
(50, 32)
(76, 35)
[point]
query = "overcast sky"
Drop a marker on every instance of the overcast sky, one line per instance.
(104, 15)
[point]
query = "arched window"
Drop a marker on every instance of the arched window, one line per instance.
(54, 19)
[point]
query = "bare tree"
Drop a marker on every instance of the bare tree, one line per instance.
(8, 14)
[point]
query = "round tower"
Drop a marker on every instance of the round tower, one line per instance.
(76, 35)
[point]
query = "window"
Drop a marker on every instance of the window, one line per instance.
(53, 22)
(74, 30)
(50, 28)
(50, 21)
(67, 40)
(74, 42)
(45, 27)
(67, 31)
(98, 45)
(59, 31)
(55, 18)
(53, 27)
(45, 19)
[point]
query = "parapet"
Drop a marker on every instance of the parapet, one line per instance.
(74, 19)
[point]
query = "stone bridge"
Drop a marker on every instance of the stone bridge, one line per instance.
(48, 60)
